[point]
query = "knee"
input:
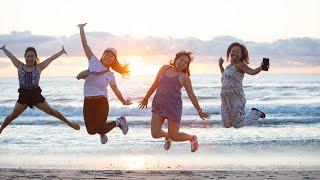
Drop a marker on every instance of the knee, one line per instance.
(155, 135)
(91, 131)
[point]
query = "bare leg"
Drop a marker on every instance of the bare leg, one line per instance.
(18, 109)
(156, 126)
(174, 133)
(45, 107)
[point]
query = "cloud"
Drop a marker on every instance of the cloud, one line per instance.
(293, 51)
(4, 65)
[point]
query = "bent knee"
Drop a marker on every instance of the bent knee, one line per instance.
(155, 135)
(91, 131)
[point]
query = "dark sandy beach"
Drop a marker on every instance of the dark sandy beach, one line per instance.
(157, 174)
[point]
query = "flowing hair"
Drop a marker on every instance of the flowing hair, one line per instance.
(122, 69)
(35, 52)
(244, 52)
(183, 53)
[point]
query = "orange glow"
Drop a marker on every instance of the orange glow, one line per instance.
(139, 65)
(138, 68)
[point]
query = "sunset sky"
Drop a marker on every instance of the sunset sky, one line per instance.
(284, 30)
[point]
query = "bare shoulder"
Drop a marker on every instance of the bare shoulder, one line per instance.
(241, 66)
(163, 68)
(184, 79)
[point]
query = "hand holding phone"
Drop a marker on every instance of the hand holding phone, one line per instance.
(265, 64)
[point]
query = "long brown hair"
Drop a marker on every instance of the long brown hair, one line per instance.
(244, 52)
(35, 52)
(122, 69)
(178, 55)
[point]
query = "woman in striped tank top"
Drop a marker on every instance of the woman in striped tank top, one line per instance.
(30, 91)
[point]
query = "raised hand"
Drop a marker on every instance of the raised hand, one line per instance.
(143, 103)
(265, 67)
(82, 25)
(3, 47)
(63, 50)
(221, 61)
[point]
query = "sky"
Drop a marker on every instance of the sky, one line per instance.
(252, 20)
(199, 25)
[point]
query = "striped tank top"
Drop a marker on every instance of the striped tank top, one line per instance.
(29, 80)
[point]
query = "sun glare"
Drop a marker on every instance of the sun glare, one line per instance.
(137, 67)
(135, 163)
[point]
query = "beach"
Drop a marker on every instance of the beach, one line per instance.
(164, 174)
(283, 146)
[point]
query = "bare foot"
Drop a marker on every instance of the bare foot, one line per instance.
(75, 126)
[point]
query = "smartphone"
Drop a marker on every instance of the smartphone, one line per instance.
(265, 66)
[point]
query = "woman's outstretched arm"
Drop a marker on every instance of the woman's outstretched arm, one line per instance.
(188, 86)
(86, 48)
(154, 86)
(246, 69)
(46, 62)
(18, 64)
(117, 92)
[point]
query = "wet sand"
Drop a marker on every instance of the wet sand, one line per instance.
(157, 174)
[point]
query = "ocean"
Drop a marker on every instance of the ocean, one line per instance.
(289, 137)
